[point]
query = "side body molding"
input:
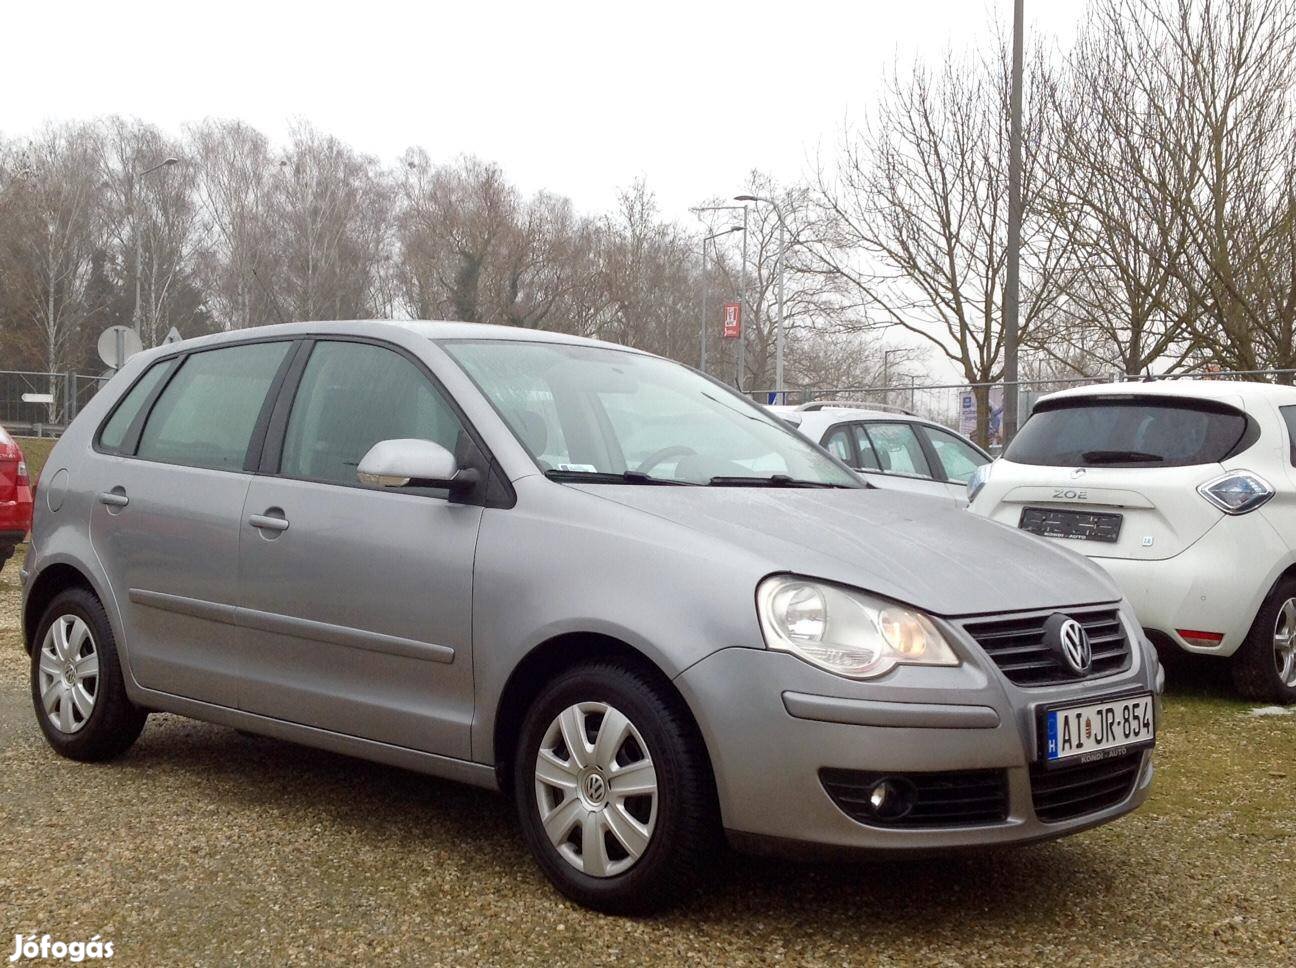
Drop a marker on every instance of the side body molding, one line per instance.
(297, 627)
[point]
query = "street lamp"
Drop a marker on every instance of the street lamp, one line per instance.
(742, 281)
(165, 163)
(782, 257)
(706, 323)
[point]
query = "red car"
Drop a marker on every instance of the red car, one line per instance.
(15, 497)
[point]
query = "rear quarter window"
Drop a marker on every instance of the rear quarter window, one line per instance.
(1129, 433)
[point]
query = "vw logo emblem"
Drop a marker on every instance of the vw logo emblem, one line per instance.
(595, 788)
(1076, 650)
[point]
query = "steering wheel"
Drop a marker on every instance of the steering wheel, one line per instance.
(666, 453)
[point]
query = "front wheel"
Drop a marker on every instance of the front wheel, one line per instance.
(76, 681)
(614, 791)
(1264, 667)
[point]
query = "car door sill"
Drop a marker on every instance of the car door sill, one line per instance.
(420, 761)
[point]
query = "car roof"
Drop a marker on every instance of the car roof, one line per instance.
(1229, 390)
(431, 329)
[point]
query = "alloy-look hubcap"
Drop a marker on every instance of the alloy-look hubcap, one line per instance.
(68, 673)
(596, 789)
(1285, 643)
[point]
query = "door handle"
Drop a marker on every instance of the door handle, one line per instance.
(116, 498)
(269, 521)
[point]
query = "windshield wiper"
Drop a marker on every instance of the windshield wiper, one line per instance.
(609, 477)
(774, 480)
(1119, 456)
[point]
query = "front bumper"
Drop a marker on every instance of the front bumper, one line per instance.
(772, 723)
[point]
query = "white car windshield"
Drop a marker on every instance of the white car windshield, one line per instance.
(602, 414)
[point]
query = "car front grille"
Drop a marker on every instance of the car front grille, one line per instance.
(1016, 644)
(1066, 792)
(951, 799)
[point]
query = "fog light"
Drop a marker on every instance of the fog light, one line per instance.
(892, 798)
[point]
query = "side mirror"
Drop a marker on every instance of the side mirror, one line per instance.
(409, 461)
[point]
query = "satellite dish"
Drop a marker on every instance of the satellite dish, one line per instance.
(117, 344)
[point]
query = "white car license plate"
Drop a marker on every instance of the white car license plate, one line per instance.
(1098, 730)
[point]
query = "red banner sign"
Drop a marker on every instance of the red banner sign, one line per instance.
(732, 320)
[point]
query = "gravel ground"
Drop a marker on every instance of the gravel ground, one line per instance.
(201, 846)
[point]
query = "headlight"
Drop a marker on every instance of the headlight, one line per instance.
(978, 481)
(1237, 492)
(846, 632)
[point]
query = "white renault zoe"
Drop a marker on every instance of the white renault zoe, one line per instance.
(1185, 492)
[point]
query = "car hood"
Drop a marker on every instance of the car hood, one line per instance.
(917, 550)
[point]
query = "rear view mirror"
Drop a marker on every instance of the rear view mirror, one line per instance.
(413, 462)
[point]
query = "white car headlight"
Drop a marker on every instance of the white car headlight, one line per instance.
(846, 632)
(978, 481)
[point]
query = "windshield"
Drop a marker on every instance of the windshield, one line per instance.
(1128, 433)
(596, 412)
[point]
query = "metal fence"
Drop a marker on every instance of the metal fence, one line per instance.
(43, 404)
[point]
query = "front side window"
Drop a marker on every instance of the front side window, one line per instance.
(596, 410)
(959, 458)
(351, 396)
(1130, 432)
(898, 450)
(206, 414)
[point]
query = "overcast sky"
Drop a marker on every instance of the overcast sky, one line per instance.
(578, 98)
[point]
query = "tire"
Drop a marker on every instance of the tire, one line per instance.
(640, 874)
(81, 654)
(1264, 666)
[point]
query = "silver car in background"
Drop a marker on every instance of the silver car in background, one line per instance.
(594, 579)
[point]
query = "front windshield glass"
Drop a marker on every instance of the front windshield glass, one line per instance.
(602, 413)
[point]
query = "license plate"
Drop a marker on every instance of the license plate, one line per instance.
(1089, 732)
(1074, 525)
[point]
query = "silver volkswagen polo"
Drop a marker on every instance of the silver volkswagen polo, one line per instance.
(645, 609)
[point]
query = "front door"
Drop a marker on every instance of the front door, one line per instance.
(356, 602)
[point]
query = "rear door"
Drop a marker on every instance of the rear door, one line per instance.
(1117, 477)
(169, 474)
(357, 601)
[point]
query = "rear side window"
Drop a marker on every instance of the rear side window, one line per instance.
(351, 396)
(206, 415)
(898, 450)
(114, 431)
(1129, 433)
(1289, 417)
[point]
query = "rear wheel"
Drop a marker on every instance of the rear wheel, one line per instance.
(1264, 667)
(613, 790)
(76, 681)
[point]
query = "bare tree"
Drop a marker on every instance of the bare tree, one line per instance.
(234, 167)
(53, 227)
(329, 208)
(916, 212)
